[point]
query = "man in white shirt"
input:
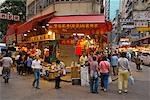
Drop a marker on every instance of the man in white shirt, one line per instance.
(6, 64)
(36, 65)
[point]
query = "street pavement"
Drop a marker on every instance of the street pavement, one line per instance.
(20, 88)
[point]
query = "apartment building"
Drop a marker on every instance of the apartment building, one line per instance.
(135, 18)
(59, 24)
(37, 8)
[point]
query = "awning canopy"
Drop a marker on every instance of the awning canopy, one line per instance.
(78, 19)
(29, 25)
(81, 23)
(12, 29)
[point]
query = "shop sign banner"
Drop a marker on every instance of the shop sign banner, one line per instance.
(141, 24)
(141, 15)
(126, 20)
(9, 17)
(128, 26)
(143, 29)
(69, 26)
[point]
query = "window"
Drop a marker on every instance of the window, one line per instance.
(39, 6)
(31, 8)
(47, 3)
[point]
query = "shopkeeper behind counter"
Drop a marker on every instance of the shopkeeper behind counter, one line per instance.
(83, 59)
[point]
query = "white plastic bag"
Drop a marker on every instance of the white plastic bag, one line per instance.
(64, 72)
(109, 79)
(1, 68)
(131, 80)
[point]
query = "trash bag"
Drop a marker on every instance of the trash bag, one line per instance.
(131, 80)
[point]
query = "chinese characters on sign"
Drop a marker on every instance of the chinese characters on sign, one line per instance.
(42, 37)
(9, 17)
(69, 26)
(141, 15)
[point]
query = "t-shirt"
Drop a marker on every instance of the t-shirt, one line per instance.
(114, 61)
(104, 66)
(36, 64)
(93, 65)
(123, 63)
(7, 61)
(29, 62)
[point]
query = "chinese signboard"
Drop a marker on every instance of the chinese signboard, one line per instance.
(141, 24)
(126, 20)
(141, 15)
(143, 29)
(69, 26)
(42, 37)
(9, 17)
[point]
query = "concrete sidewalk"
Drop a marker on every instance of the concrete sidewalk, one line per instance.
(20, 88)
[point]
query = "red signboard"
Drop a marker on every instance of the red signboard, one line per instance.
(9, 17)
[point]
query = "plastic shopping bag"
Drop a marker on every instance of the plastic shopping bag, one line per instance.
(131, 80)
(109, 79)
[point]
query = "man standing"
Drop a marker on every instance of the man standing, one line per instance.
(114, 63)
(58, 69)
(94, 82)
(123, 73)
(6, 64)
(36, 67)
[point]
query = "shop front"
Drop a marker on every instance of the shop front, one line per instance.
(88, 32)
(59, 37)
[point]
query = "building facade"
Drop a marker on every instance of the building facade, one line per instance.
(135, 18)
(37, 8)
(107, 9)
(61, 25)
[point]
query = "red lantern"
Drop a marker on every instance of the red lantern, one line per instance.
(78, 50)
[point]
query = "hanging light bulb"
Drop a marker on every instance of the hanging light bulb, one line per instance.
(50, 32)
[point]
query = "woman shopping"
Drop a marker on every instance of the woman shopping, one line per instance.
(104, 71)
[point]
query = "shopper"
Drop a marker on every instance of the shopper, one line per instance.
(36, 65)
(94, 82)
(57, 78)
(21, 64)
(114, 64)
(104, 67)
(124, 71)
(6, 63)
(17, 61)
(29, 63)
(138, 63)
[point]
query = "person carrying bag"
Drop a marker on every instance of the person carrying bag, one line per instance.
(123, 73)
(94, 82)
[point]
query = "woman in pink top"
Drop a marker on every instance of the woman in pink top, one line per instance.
(104, 70)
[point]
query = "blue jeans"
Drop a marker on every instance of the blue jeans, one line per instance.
(104, 80)
(94, 83)
(36, 77)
